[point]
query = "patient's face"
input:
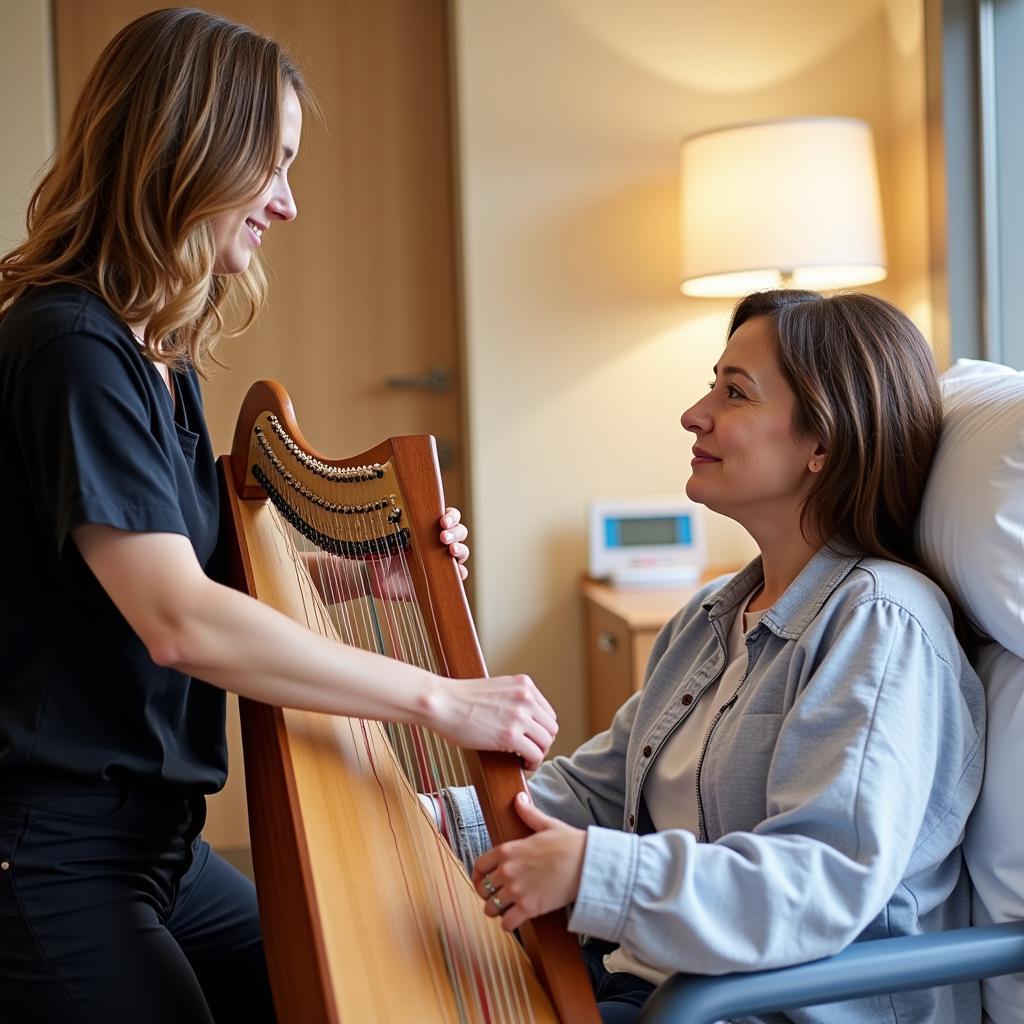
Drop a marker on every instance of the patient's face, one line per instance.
(748, 464)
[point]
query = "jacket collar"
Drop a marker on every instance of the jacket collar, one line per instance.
(802, 599)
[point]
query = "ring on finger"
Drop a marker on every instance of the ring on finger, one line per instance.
(489, 885)
(498, 905)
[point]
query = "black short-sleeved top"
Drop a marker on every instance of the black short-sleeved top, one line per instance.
(90, 435)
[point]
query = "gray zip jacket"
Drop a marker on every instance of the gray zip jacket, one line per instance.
(833, 787)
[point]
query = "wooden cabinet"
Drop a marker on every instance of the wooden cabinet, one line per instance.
(619, 627)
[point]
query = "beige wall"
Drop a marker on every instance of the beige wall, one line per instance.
(906, 156)
(581, 353)
(27, 114)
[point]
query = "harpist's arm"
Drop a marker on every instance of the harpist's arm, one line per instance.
(201, 628)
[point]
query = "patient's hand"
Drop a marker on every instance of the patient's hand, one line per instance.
(525, 878)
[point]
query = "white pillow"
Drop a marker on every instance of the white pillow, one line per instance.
(994, 846)
(971, 533)
(971, 527)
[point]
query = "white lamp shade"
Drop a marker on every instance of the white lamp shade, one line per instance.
(791, 202)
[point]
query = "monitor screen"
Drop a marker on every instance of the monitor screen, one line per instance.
(634, 532)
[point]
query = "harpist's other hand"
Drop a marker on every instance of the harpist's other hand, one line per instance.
(532, 876)
(453, 534)
(501, 713)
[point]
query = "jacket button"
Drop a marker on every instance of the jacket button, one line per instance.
(647, 751)
(687, 699)
(632, 820)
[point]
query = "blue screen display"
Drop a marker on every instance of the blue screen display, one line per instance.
(648, 531)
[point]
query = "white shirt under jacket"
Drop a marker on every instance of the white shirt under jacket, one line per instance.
(671, 787)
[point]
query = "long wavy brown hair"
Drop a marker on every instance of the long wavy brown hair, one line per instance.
(178, 121)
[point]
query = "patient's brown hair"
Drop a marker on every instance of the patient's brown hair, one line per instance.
(178, 121)
(867, 387)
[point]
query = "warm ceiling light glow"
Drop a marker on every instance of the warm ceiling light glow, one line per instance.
(789, 203)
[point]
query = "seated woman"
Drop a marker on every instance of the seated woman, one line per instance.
(798, 769)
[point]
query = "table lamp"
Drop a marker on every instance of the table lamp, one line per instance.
(788, 203)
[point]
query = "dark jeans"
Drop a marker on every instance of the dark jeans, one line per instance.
(114, 911)
(620, 996)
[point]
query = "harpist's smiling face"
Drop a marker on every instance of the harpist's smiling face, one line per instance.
(748, 462)
(238, 233)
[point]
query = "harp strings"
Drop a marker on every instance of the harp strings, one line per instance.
(429, 763)
(505, 973)
(360, 591)
(432, 763)
(346, 613)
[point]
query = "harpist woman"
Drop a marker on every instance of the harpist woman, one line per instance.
(112, 908)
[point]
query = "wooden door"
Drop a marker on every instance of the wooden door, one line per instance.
(364, 282)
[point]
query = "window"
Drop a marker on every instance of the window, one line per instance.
(975, 81)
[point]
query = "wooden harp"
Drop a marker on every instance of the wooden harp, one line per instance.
(366, 913)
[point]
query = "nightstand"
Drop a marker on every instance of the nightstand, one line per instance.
(619, 627)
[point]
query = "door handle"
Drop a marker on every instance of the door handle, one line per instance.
(436, 379)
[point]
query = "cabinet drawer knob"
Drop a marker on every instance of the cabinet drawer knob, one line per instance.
(607, 643)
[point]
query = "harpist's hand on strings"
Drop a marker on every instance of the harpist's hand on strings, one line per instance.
(529, 877)
(389, 577)
(501, 713)
(342, 579)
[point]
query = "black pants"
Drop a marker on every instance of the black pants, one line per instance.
(620, 996)
(114, 911)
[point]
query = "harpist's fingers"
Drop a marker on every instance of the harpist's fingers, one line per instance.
(531, 753)
(545, 718)
(541, 737)
(502, 713)
(459, 552)
(452, 517)
(537, 704)
(545, 704)
(529, 750)
(515, 918)
(457, 535)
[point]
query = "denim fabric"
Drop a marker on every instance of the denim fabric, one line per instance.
(834, 788)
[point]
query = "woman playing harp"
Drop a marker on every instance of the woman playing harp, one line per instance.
(111, 905)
